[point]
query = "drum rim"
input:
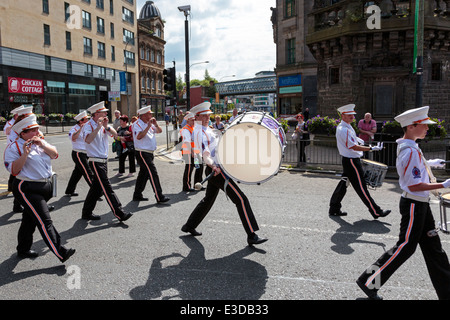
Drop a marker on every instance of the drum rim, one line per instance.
(368, 161)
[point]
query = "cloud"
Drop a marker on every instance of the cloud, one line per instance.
(235, 36)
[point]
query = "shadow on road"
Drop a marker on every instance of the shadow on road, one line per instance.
(194, 278)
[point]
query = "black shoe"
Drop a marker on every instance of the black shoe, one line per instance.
(125, 217)
(337, 213)
(30, 254)
(51, 208)
(68, 254)
(255, 239)
(141, 198)
(382, 214)
(163, 199)
(17, 209)
(90, 217)
(371, 293)
(189, 190)
(73, 194)
(191, 231)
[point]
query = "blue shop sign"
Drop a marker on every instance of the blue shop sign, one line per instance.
(287, 81)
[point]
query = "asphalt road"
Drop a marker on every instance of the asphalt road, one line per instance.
(309, 256)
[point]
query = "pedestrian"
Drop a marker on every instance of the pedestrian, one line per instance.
(306, 114)
(351, 149)
(144, 138)
(234, 116)
(126, 139)
(367, 128)
(218, 125)
(417, 226)
(10, 123)
(300, 130)
(96, 133)
(218, 181)
(116, 145)
(79, 156)
(29, 159)
(187, 151)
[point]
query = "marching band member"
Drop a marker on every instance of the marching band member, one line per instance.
(218, 181)
(96, 133)
(9, 124)
(29, 159)
(417, 226)
(351, 149)
(144, 131)
(79, 156)
(187, 150)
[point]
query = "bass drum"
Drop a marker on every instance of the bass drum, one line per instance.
(251, 148)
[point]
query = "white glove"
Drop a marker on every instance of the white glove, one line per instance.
(446, 183)
(378, 147)
(436, 163)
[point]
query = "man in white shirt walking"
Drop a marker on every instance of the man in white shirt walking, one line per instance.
(351, 149)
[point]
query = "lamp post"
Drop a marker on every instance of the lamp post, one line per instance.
(186, 10)
(418, 50)
(126, 72)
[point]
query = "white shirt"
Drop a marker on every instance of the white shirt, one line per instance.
(148, 142)
(205, 139)
(8, 124)
(98, 148)
(411, 167)
(38, 165)
(346, 138)
(79, 143)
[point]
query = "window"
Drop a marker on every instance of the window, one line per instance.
(86, 19)
(89, 70)
(142, 53)
(111, 7)
(112, 30)
(101, 50)
(127, 15)
(113, 75)
(100, 4)
(113, 53)
(289, 8)
(290, 51)
(158, 58)
(335, 77)
(66, 11)
(100, 25)
(128, 57)
(48, 63)
(69, 66)
(128, 36)
(68, 41)
(129, 1)
(45, 7)
(142, 82)
(436, 71)
(102, 72)
(87, 45)
(46, 34)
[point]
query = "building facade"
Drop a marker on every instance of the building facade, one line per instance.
(296, 68)
(373, 66)
(72, 52)
(151, 59)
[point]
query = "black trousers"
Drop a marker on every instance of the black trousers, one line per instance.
(33, 196)
(235, 195)
(147, 171)
(188, 170)
(81, 169)
(354, 173)
(16, 202)
(417, 220)
(131, 161)
(101, 185)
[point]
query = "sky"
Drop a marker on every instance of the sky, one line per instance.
(235, 36)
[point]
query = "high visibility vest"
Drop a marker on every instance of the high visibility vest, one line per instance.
(185, 149)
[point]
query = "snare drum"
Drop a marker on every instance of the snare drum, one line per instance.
(251, 148)
(444, 204)
(374, 172)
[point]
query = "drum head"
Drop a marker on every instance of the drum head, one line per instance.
(446, 196)
(249, 153)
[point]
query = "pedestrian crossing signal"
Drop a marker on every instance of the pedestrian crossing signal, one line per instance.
(169, 79)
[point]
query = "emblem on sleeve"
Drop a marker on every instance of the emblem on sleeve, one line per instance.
(416, 173)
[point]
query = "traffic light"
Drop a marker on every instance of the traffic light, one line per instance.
(169, 79)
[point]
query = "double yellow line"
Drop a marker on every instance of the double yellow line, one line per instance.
(3, 187)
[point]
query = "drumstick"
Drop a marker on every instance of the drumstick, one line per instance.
(448, 161)
(198, 185)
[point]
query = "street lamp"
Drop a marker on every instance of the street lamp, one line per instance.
(129, 40)
(418, 50)
(186, 10)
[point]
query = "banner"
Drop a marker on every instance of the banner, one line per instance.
(123, 81)
(21, 85)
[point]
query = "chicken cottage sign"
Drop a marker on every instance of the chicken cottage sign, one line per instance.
(29, 86)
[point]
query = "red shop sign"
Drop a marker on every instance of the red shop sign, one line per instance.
(21, 85)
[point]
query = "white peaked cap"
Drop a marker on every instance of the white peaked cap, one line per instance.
(81, 115)
(202, 108)
(29, 122)
(98, 107)
(347, 109)
(144, 110)
(414, 116)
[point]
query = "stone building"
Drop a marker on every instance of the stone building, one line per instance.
(373, 68)
(151, 58)
(296, 67)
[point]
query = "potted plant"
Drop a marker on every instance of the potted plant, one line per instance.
(436, 131)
